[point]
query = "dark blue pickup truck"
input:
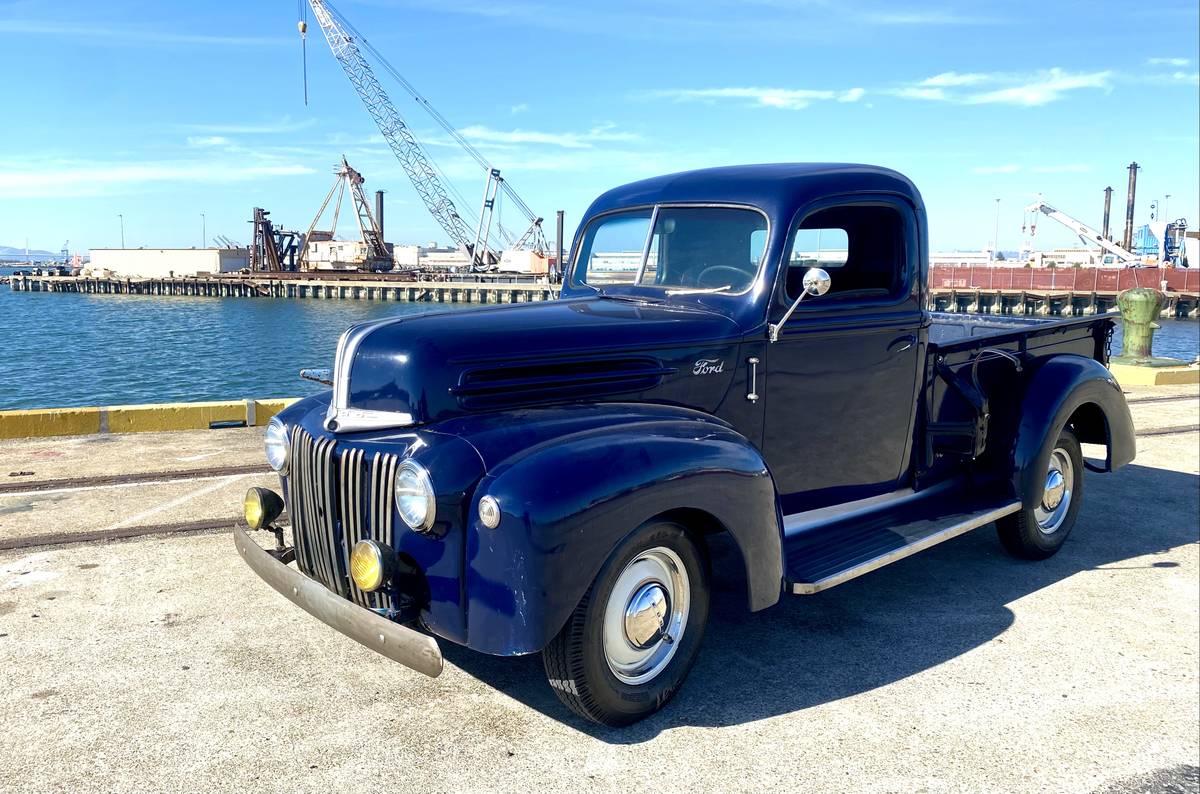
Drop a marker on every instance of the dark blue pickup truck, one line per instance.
(742, 352)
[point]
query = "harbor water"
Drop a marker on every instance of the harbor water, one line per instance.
(77, 349)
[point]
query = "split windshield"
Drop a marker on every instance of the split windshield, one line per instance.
(680, 250)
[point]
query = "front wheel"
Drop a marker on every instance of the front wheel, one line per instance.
(631, 641)
(1038, 533)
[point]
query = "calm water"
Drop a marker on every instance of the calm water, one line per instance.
(68, 349)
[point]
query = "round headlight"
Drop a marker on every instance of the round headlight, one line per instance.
(414, 496)
(278, 448)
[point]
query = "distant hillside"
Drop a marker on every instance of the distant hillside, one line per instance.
(11, 254)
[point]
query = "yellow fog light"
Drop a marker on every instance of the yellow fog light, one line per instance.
(370, 565)
(261, 507)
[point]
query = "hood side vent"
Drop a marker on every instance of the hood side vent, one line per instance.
(510, 386)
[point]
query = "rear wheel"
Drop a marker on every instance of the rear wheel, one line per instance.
(1038, 533)
(630, 643)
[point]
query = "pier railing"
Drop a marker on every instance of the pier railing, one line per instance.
(1075, 279)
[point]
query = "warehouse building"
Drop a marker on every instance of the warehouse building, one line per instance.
(166, 262)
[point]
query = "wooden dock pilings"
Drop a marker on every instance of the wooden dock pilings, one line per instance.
(1057, 291)
(267, 287)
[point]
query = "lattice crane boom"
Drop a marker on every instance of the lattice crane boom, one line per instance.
(344, 41)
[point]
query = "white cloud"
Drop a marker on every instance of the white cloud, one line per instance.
(520, 108)
(1168, 61)
(1065, 168)
(78, 178)
(783, 98)
(951, 79)
(1028, 89)
(281, 125)
(1042, 88)
(203, 141)
(1013, 168)
(923, 18)
(603, 133)
(116, 36)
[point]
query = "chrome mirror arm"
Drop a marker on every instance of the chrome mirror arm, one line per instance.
(816, 283)
(777, 328)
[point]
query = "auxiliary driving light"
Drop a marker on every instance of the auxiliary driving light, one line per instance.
(370, 565)
(261, 507)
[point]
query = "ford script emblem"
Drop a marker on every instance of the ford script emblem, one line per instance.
(708, 366)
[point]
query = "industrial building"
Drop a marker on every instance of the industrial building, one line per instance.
(165, 262)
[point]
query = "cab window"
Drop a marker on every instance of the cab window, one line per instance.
(862, 248)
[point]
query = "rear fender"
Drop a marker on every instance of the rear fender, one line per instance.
(1069, 386)
(567, 503)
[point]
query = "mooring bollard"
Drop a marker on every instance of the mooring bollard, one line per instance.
(1140, 307)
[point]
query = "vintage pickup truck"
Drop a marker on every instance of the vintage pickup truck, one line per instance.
(742, 352)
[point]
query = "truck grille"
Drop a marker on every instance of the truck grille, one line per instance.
(337, 497)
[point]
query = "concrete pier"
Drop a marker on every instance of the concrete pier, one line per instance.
(135, 646)
(295, 286)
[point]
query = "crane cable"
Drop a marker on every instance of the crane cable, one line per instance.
(441, 120)
(302, 25)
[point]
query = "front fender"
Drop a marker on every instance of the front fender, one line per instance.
(569, 501)
(1056, 392)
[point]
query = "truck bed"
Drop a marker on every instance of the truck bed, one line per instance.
(960, 331)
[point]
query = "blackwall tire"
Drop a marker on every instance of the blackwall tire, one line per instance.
(1038, 533)
(631, 641)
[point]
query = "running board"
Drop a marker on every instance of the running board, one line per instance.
(823, 558)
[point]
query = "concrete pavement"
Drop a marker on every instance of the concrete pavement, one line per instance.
(164, 664)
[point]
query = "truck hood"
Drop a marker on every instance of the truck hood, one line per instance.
(429, 368)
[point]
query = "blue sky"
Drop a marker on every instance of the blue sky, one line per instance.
(161, 111)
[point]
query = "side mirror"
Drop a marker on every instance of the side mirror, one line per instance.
(816, 282)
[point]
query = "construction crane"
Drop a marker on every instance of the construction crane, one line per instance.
(378, 257)
(347, 45)
(1086, 233)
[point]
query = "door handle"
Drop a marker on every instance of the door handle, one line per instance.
(902, 344)
(752, 394)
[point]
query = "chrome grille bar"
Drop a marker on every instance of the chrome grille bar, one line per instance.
(338, 497)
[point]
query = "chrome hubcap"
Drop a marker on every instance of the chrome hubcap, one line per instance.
(645, 615)
(1056, 494)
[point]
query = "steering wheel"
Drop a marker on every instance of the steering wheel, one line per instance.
(733, 276)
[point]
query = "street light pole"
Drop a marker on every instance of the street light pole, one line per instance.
(996, 232)
(1166, 198)
(203, 230)
(122, 219)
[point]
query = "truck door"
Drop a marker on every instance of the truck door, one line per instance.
(842, 379)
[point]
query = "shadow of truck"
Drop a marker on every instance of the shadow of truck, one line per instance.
(887, 625)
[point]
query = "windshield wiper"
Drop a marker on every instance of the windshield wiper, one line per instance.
(629, 298)
(699, 290)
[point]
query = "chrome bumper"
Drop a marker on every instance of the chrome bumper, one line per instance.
(396, 642)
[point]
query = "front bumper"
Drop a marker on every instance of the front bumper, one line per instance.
(398, 643)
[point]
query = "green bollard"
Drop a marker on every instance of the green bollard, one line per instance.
(1140, 307)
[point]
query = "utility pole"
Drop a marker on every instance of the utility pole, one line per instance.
(996, 233)
(122, 219)
(203, 230)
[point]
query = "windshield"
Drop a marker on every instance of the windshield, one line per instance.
(679, 249)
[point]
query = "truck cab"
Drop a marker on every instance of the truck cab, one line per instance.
(743, 352)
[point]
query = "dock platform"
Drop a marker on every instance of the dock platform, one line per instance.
(136, 646)
(303, 285)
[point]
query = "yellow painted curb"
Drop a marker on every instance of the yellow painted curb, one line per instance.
(138, 418)
(1129, 375)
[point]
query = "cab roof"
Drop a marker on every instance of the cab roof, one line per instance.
(779, 188)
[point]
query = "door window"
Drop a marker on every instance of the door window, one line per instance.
(862, 247)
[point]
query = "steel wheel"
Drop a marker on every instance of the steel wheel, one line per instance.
(645, 615)
(1057, 493)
